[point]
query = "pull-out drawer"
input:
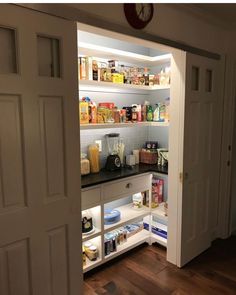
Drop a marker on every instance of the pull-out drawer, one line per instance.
(91, 197)
(126, 187)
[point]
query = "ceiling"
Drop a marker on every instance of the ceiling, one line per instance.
(223, 13)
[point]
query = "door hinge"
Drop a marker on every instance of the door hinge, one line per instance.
(181, 177)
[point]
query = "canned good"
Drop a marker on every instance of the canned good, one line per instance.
(107, 247)
(84, 257)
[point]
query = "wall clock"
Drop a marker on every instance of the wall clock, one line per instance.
(138, 15)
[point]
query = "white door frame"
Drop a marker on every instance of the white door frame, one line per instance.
(225, 214)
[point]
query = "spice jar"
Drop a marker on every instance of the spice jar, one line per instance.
(93, 151)
(134, 113)
(84, 165)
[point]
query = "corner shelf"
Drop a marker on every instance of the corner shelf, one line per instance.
(160, 213)
(122, 125)
(158, 239)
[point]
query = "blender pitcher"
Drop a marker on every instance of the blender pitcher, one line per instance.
(113, 160)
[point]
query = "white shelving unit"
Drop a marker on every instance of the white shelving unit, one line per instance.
(128, 215)
(122, 125)
(111, 91)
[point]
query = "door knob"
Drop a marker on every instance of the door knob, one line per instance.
(128, 185)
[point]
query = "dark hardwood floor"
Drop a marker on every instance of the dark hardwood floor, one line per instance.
(144, 270)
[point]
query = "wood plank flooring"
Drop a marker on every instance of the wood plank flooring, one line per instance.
(144, 270)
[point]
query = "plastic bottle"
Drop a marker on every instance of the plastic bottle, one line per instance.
(167, 103)
(149, 113)
(156, 113)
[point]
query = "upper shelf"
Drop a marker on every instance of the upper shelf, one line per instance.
(122, 125)
(107, 53)
(90, 85)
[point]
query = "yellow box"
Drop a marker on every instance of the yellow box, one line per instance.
(117, 78)
(84, 112)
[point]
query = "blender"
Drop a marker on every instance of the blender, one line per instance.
(113, 160)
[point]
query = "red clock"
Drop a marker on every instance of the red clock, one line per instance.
(138, 15)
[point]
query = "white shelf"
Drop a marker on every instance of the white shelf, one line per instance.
(91, 264)
(160, 213)
(132, 242)
(159, 240)
(87, 237)
(106, 53)
(122, 125)
(128, 214)
(90, 85)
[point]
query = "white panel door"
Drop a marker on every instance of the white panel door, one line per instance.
(201, 159)
(40, 245)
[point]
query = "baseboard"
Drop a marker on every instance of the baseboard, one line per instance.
(233, 232)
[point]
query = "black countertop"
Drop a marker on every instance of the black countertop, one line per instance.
(105, 176)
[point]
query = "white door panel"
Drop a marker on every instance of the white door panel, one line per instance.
(202, 138)
(40, 246)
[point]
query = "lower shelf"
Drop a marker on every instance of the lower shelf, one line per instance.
(132, 242)
(159, 240)
(159, 212)
(91, 264)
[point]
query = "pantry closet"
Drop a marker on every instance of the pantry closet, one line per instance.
(146, 85)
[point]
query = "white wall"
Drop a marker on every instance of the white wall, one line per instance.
(170, 21)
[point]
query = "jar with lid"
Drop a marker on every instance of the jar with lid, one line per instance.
(87, 222)
(134, 113)
(92, 253)
(93, 151)
(84, 164)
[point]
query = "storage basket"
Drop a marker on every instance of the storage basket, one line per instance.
(148, 157)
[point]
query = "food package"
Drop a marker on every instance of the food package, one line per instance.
(84, 112)
(117, 78)
(157, 191)
(104, 115)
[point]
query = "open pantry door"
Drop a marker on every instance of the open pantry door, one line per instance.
(40, 244)
(201, 158)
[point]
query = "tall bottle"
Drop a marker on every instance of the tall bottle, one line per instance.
(149, 113)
